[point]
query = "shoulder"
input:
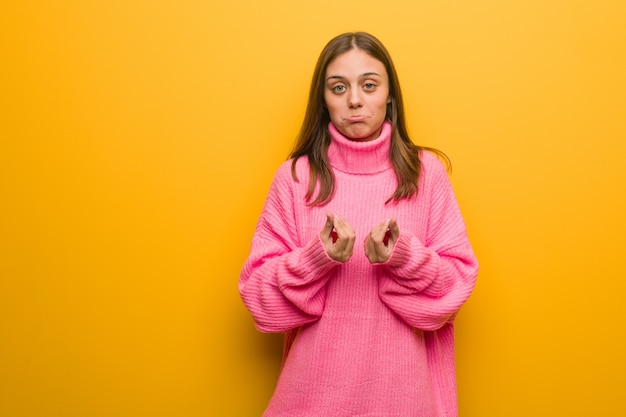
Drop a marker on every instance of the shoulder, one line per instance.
(432, 165)
(301, 168)
(284, 174)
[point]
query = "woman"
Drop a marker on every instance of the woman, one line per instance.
(360, 255)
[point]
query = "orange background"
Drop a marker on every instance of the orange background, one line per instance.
(138, 140)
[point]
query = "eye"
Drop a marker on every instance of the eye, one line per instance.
(369, 86)
(339, 88)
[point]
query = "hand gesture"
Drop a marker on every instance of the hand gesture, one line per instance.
(338, 238)
(380, 241)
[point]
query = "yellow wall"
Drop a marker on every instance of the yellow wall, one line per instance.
(138, 140)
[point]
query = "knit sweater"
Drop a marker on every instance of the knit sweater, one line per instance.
(361, 339)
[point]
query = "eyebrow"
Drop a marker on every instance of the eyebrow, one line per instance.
(365, 74)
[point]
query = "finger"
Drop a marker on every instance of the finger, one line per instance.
(327, 230)
(378, 232)
(343, 228)
(384, 231)
(343, 240)
(330, 220)
(335, 232)
(394, 229)
(339, 223)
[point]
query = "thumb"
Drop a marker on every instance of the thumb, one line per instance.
(328, 226)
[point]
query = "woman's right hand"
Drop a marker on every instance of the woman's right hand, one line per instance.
(338, 238)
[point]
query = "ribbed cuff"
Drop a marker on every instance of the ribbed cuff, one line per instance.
(401, 252)
(315, 258)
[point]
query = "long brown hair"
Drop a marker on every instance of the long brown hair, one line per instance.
(314, 138)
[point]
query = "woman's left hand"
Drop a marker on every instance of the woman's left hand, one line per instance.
(380, 241)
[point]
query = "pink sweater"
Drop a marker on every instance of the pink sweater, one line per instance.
(361, 339)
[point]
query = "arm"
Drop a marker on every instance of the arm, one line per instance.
(427, 282)
(282, 283)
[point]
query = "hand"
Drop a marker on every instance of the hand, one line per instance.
(338, 238)
(380, 241)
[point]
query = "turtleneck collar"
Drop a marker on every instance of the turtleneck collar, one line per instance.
(356, 157)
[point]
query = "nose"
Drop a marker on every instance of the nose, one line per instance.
(354, 98)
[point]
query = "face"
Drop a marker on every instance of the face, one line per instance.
(356, 93)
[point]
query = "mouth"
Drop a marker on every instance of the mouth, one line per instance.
(355, 119)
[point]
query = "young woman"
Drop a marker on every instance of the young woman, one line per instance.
(360, 255)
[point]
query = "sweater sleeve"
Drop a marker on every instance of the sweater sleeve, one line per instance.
(427, 282)
(283, 283)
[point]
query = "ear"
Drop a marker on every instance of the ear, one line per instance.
(389, 100)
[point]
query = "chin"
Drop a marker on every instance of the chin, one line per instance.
(365, 136)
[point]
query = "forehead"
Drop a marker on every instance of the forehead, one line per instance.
(355, 62)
